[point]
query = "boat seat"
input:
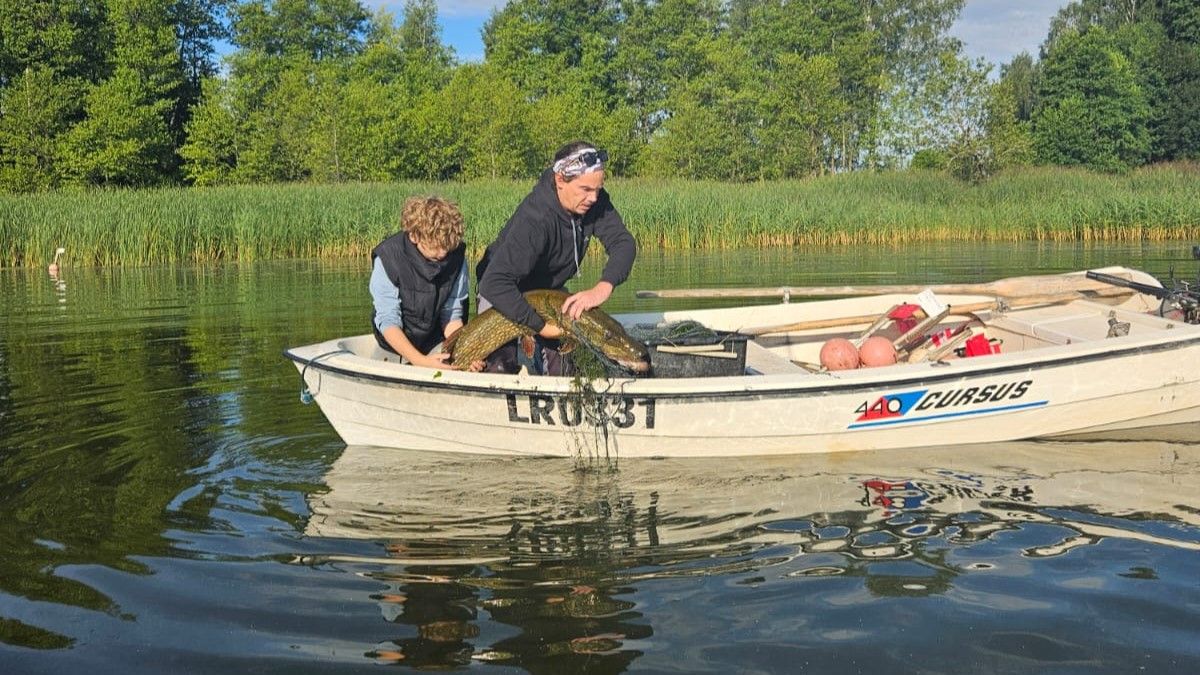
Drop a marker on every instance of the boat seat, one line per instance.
(763, 361)
(1059, 329)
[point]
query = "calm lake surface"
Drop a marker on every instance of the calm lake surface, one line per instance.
(167, 504)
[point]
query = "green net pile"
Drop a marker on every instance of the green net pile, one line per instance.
(671, 332)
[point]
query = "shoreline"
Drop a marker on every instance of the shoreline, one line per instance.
(289, 221)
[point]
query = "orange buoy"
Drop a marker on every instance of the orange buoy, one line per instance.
(877, 351)
(839, 354)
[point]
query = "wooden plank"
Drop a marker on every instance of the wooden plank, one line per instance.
(1005, 288)
(957, 310)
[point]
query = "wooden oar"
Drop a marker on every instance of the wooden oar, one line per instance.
(1004, 288)
(958, 310)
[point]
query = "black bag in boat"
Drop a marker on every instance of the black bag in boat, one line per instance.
(719, 354)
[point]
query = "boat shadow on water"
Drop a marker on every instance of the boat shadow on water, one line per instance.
(467, 547)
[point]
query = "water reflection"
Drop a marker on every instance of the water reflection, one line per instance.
(519, 560)
(159, 483)
(115, 390)
(57, 277)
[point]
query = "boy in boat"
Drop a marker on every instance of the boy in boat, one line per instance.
(541, 247)
(419, 282)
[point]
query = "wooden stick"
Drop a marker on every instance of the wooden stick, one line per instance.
(688, 349)
(957, 310)
(669, 349)
(1005, 288)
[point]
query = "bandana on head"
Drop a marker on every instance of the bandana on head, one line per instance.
(573, 164)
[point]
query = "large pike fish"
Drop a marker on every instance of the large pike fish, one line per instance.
(491, 330)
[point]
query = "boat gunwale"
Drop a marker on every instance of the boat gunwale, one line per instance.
(738, 383)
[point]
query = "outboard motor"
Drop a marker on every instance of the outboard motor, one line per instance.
(1181, 302)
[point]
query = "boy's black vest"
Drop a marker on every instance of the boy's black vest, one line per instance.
(424, 287)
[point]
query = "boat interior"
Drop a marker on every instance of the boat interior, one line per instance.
(950, 337)
(786, 338)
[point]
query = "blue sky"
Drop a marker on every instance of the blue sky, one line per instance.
(993, 29)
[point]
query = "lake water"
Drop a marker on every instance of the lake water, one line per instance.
(167, 504)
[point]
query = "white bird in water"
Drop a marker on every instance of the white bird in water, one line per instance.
(53, 267)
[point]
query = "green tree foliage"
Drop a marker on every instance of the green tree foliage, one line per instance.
(427, 61)
(35, 111)
(198, 25)
(376, 115)
(531, 42)
(71, 38)
(210, 155)
(1008, 136)
(929, 159)
(805, 102)
(839, 30)
(1157, 36)
(50, 50)
(355, 128)
(410, 54)
(316, 29)
(1181, 18)
(420, 34)
(1177, 135)
(1020, 76)
(661, 46)
(130, 69)
(571, 113)
(1088, 82)
(144, 44)
(912, 33)
(127, 92)
(490, 116)
(1144, 43)
(960, 121)
(710, 133)
(1111, 15)
(123, 140)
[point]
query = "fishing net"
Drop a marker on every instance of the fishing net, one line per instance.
(669, 333)
(597, 388)
(596, 382)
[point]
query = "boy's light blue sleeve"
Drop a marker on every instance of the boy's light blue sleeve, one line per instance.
(386, 297)
(453, 309)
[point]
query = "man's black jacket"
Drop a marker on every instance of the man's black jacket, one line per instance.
(541, 245)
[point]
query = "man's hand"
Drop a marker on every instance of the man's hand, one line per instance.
(551, 331)
(581, 302)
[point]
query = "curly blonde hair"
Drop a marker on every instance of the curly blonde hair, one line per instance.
(433, 221)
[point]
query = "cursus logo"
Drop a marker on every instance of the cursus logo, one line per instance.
(889, 405)
(927, 403)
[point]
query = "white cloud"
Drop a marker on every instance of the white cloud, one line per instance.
(998, 30)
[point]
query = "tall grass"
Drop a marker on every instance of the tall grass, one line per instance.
(134, 227)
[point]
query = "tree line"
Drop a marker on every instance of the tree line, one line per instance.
(133, 92)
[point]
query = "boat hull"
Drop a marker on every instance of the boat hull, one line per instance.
(1063, 392)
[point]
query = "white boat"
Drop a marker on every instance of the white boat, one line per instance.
(1068, 365)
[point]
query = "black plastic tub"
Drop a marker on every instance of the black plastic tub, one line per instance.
(696, 364)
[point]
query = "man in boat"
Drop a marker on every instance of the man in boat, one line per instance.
(419, 282)
(542, 245)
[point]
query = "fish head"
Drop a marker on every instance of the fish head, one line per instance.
(609, 337)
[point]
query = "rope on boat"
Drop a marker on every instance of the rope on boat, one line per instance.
(306, 396)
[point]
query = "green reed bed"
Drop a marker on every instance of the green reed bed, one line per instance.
(135, 227)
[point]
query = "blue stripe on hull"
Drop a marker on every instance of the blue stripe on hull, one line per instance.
(964, 413)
